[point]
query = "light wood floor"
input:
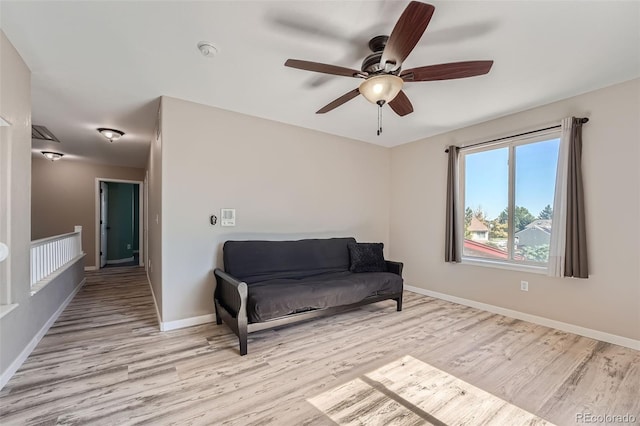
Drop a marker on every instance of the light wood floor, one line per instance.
(105, 362)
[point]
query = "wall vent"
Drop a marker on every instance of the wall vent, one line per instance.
(41, 132)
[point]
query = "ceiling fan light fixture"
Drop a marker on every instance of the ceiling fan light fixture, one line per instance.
(379, 88)
(52, 156)
(111, 134)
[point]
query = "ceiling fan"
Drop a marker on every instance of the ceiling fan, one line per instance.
(382, 70)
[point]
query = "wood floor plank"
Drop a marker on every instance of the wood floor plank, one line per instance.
(447, 398)
(356, 403)
(23, 407)
(602, 372)
(106, 362)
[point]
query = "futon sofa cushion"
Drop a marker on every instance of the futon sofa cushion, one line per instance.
(254, 261)
(283, 296)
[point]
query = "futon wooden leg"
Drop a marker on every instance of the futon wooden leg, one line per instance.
(218, 319)
(243, 345)
(242, 337)
(399, 301)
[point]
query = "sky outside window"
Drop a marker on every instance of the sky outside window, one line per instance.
(487, 181)
(487, 178)
(536, 166)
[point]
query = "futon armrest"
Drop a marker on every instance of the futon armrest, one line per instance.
(394, 267)
(230, 292)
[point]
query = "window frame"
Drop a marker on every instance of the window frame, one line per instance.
(510, 143)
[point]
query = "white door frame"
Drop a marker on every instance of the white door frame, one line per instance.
(104, 223)
(140, 218)
(146, 217)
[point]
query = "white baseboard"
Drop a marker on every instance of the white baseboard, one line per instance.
(17, 363)
(116, 261)
(155, 303)
(570, 328)
(90, 268)
(187, 322)
(182, 323)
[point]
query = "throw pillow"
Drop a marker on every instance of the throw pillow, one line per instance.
(367, 257)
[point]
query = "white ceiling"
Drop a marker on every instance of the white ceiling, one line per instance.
(105, 63)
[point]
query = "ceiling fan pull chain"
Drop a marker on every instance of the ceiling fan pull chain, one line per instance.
(380, 103)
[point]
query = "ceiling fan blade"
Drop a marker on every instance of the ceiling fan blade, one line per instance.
(447, 71)
(401, 105)
(341, 100)
(407, 33)
(323, 68)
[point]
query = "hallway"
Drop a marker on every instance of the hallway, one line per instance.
(101, 354)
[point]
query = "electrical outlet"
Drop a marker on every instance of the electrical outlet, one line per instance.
(524, 285)
(128, 246)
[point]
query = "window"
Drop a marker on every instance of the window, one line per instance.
(508, 191)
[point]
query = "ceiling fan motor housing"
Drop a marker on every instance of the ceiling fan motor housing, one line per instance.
(378, 43)
(371, 64)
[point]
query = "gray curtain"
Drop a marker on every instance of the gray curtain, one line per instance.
(452, 248)
(575, 263)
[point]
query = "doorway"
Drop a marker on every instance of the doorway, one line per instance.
(119, 219)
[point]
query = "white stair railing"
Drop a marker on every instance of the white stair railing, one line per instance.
(52, 253)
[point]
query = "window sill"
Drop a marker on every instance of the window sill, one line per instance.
(504, 265)
(5, 309)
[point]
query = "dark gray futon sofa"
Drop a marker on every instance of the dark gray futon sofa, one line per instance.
(267, 284)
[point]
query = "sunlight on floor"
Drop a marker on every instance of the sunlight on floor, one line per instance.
(410, 392)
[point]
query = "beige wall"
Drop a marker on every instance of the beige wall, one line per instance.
(609, 301)
(15, 172)
(63, 195)
(154, 216)
(285, 182)
(23, 316)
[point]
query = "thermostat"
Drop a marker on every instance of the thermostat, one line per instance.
(227, 217)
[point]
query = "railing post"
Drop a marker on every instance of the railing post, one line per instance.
(78, 229)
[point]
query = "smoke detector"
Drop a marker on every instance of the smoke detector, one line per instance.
(207, 49)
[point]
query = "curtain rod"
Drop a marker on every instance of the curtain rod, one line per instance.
(583, 120)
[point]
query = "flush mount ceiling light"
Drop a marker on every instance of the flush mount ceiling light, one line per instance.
(111, 134)
(381, 88)
(53, 156)
(207, 49)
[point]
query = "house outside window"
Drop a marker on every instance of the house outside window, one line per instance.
(508, 193)
(478, 231)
